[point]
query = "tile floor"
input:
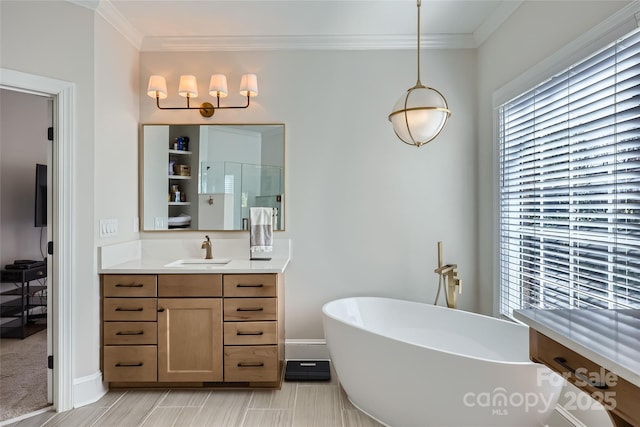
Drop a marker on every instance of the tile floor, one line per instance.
(297, 404)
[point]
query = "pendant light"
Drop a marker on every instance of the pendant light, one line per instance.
(421, 113)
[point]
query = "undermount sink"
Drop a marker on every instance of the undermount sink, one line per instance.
(198, 261)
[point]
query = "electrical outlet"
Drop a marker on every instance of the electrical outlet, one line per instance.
(136, 224)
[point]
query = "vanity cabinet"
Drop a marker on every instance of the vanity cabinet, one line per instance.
(201, 329)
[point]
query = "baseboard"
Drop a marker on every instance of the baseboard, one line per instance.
(306, 349)
(88, 389)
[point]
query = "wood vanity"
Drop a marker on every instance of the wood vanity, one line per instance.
(596, 350)
(193, 330)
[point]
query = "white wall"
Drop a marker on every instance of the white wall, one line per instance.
(116, 131)
(24, 119)
(533, 33)
(364, 210)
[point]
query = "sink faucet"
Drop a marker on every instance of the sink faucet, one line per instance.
(207, 245)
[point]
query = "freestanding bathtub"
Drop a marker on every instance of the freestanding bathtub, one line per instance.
(409, 364)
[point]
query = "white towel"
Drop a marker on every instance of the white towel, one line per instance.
(261, 233)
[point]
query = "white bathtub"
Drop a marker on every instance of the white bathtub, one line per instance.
(410, 364)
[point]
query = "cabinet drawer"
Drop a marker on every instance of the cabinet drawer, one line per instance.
(130, 363)
(250, 333)
(130, 333)
(248, 309)
(587, 375)
(251, 363)
(129, 285)
(190, 285)
(142, 309)
(250, 285)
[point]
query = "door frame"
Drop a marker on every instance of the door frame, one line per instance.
(60, 273)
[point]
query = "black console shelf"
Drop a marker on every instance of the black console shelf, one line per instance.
(17, 321)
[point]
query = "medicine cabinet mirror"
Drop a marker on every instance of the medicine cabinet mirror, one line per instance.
(206, 177)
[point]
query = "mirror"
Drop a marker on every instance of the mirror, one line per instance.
(206, 177)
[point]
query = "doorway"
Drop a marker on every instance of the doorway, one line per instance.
(25, 158)
(59, 228)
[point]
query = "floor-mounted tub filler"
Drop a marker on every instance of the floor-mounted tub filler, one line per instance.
(409, 364)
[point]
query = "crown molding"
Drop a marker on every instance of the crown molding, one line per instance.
(320, 42)
(497, 18)
(294, 42)
(112, 16)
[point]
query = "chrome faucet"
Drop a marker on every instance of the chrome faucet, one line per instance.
(207, 245)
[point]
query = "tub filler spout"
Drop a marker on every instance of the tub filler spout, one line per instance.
(448, 278)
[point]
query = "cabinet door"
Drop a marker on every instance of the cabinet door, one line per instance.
(190, 339)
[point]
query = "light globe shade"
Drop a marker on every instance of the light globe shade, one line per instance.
(249, 85)
(419, 115)
(157, 87)
(188, 86)
(218, 85)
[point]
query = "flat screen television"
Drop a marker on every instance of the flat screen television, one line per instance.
(40, 217)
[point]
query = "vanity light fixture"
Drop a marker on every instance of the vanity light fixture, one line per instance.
(188, 88)
(420, 114)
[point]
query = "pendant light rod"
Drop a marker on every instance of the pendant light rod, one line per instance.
(419, 84)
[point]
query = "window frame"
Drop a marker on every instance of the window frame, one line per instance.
(618, 25)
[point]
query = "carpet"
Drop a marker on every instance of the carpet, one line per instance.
(23, 375)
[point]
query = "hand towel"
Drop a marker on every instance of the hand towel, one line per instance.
(261, 232)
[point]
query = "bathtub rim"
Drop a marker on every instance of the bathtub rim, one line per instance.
(469, 313)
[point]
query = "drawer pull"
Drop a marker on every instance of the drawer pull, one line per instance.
(563, 362)
(250, 309)
(250, 333)
(129, 309)
(129, 285)
(161, 310)
(240, 285)
(130, 333)
(250, 365)
(128, 365)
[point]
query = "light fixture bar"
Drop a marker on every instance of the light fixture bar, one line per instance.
(188, 88)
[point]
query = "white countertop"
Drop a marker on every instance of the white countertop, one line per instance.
(152, 256)
(610, 338)
(157, 266)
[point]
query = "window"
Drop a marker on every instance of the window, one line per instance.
(569, 164)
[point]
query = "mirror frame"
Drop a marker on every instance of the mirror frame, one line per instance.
(141, 186)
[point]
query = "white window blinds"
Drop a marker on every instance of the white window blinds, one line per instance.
(569, 153)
